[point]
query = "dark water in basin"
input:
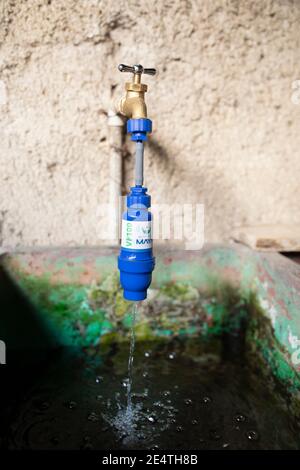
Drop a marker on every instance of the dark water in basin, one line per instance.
(183, 398)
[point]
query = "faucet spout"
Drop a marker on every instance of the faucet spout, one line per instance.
(133, 104)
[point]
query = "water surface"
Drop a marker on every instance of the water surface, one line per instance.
(183, 396)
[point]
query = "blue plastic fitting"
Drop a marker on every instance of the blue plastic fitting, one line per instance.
(136, 261)
(138, 128)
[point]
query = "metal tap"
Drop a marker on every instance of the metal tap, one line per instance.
(133, 105)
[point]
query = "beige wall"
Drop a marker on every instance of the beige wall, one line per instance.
(226, 131)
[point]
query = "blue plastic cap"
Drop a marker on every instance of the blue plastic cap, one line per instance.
(138, 128)
(134, 295)
(135, 273)
(138, 197)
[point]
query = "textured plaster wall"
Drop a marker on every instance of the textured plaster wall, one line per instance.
(226, 132)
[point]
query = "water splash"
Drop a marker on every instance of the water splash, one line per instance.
(130, 359)
(125, 421)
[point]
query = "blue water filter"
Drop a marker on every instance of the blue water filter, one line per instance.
(136, 261)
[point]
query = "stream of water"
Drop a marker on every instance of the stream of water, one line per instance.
(126, 420)
(130, 359)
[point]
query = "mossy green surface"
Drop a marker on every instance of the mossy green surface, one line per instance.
(263, 344)
(84, 316)
(81, 315)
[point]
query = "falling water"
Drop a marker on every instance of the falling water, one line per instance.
(125, 420)
(129, 422)
(130, 359)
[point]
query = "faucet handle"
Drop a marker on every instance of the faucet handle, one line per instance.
(137, 69)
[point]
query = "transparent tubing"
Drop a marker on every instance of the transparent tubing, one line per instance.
(139, 163)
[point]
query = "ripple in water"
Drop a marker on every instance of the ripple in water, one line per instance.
(190, 403)
(252, 435)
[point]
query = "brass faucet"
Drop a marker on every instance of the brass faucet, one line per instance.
(133, 105)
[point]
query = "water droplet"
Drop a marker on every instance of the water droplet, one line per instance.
(172, 355)
(225, 445)
(188, 401)
(240, 418)
(158, 404)
(99, 379)
(166, 393)
(93, 417)
(179, 429)
(155, 447)
(71, 405)
(147, 354)
(194, 422)
(145, 375)
(176, 387)
(206, 399)
(151, 419)
(214, 435)
(125, 383)
(252, 435)
(99, 397)
(141, 436)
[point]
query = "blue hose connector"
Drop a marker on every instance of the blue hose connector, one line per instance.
(136, 261)
(139, 128)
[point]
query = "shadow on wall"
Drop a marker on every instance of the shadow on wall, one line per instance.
(218, 189)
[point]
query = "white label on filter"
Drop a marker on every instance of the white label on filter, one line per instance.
(136, 235)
